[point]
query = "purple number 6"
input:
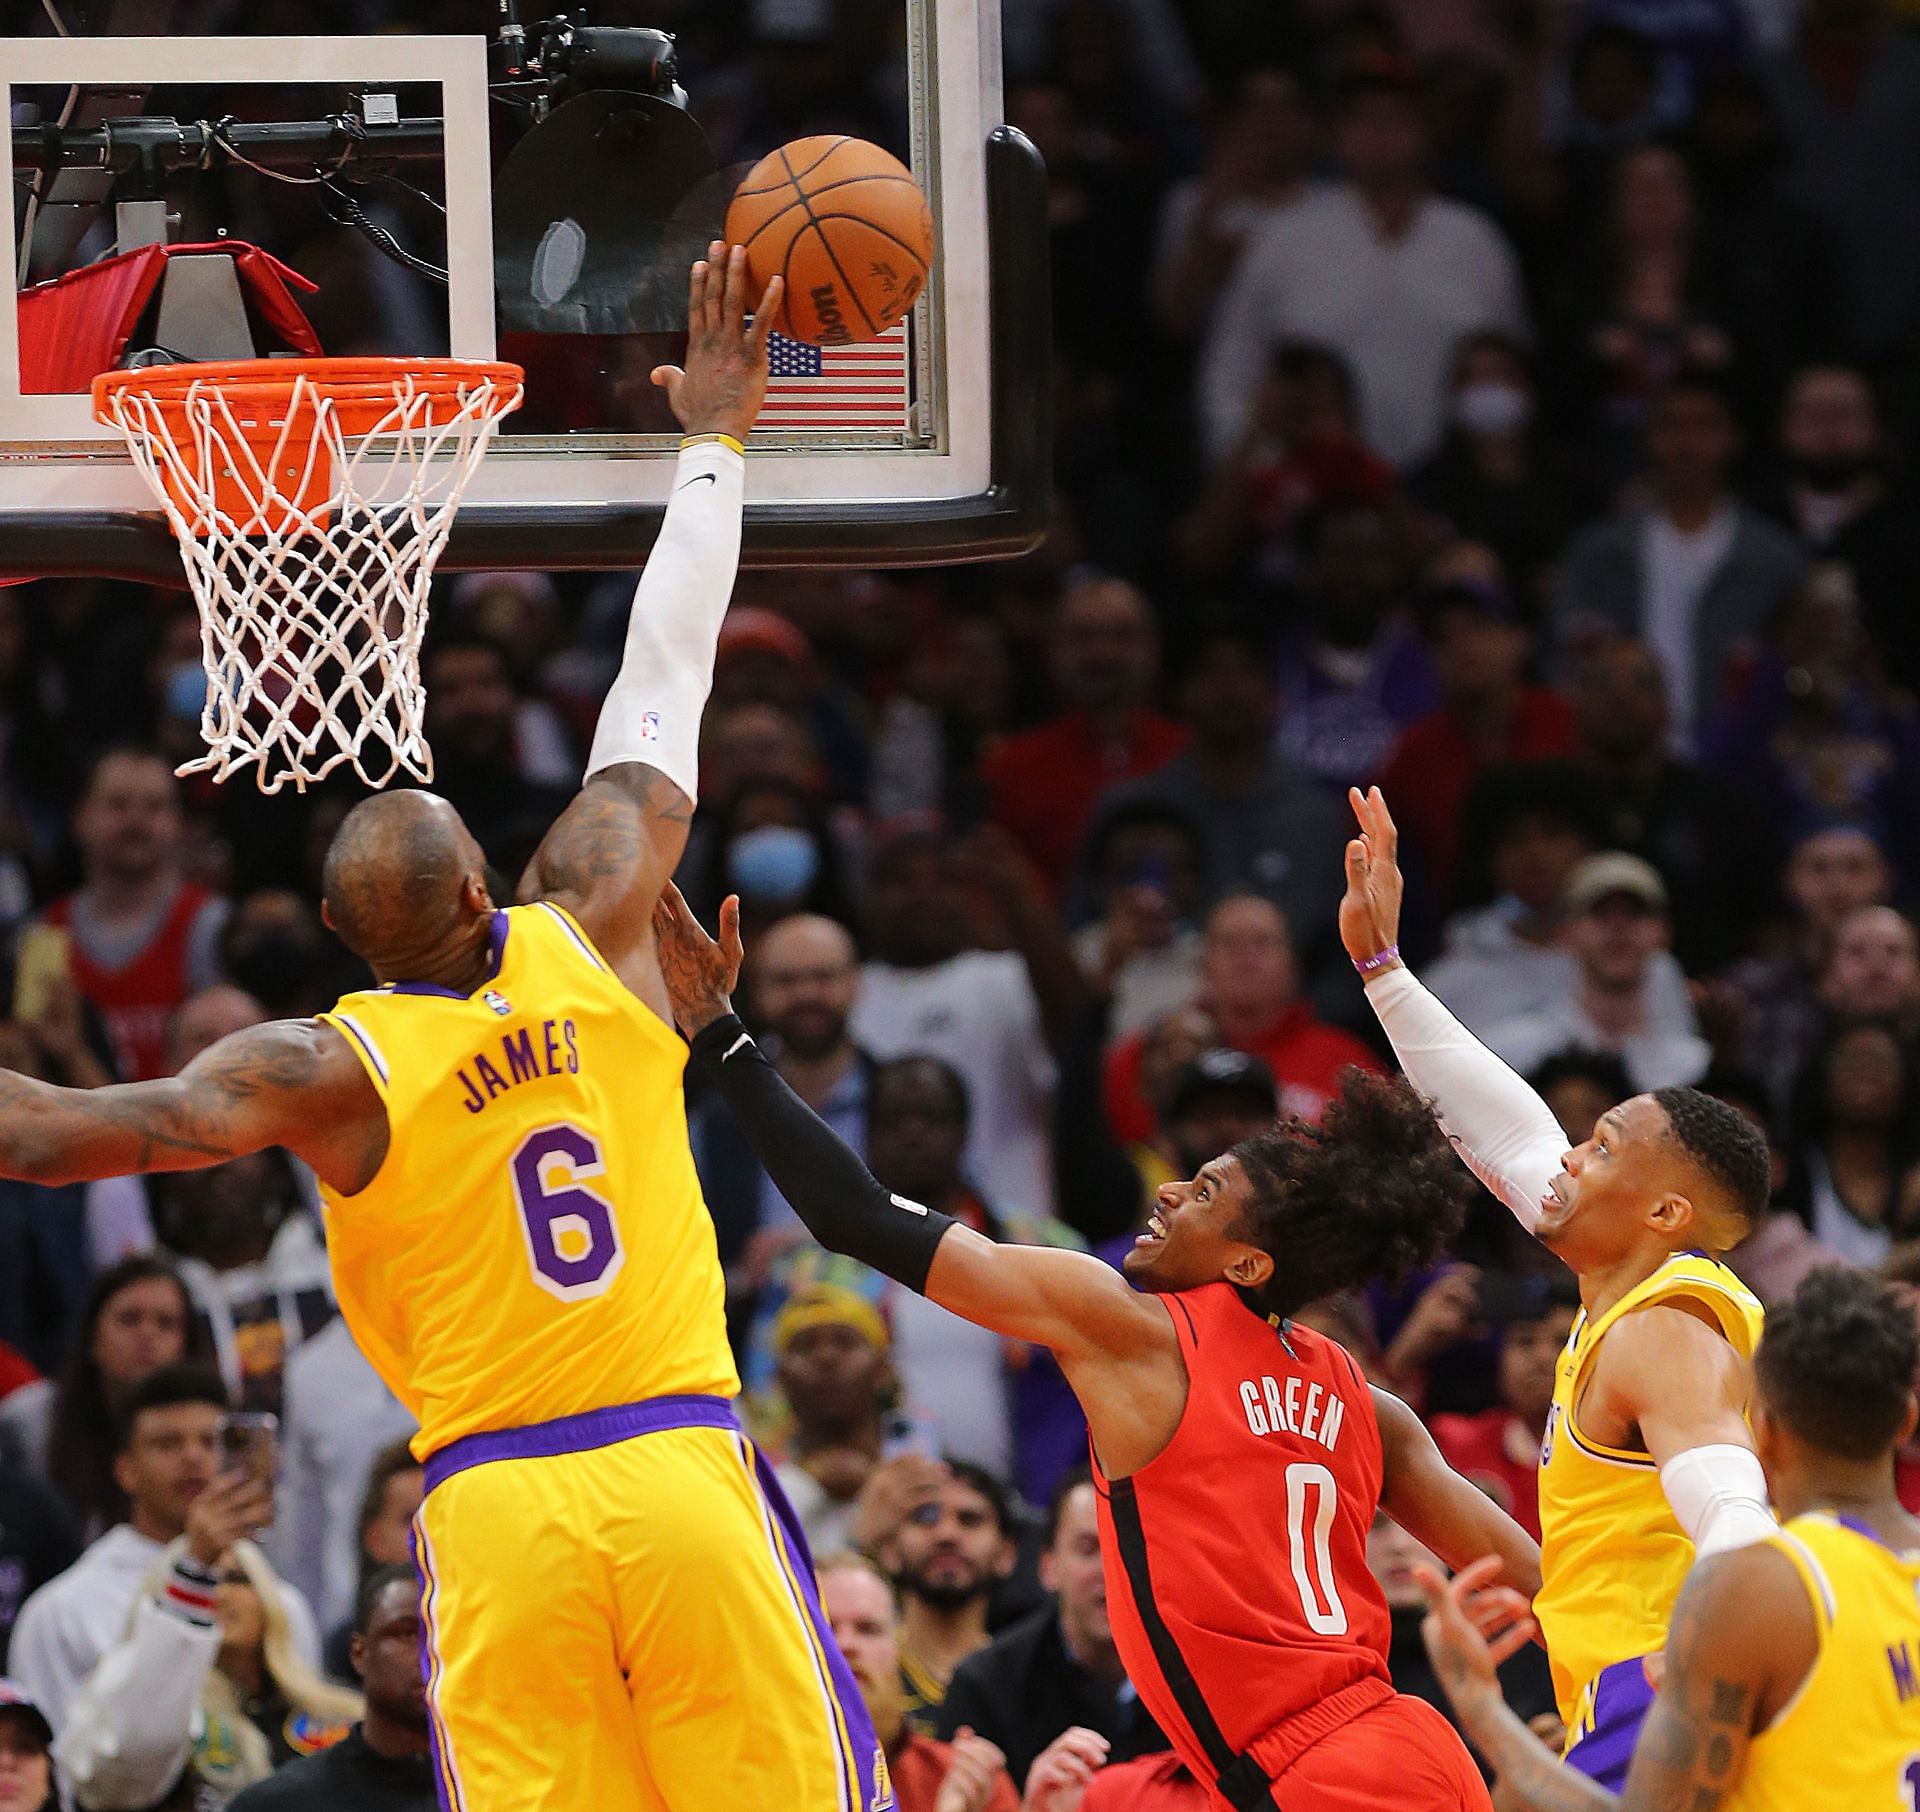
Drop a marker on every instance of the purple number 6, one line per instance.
(572, 1236)
(1910, 1780)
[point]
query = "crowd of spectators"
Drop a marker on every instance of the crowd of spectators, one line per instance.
(1505, 400)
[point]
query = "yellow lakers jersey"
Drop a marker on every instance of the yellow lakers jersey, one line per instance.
(534, 1244)
(1849, 1741)
(1612, 1555)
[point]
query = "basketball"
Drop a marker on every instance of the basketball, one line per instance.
(846, 225)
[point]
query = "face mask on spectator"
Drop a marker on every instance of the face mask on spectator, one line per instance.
(775, 864)
(1492, 408)
(186, 690)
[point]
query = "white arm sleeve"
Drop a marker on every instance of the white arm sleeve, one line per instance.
(130, 1732)
(1504, 1131)
(1719, 1494)
(652, 713)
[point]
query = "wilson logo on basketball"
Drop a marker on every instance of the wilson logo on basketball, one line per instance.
(832, 324)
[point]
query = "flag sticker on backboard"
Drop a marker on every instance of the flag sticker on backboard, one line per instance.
(837, 388)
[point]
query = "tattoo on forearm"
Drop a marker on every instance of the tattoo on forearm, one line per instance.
(139, 1126)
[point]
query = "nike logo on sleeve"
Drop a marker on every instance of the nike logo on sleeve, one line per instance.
(698, 478)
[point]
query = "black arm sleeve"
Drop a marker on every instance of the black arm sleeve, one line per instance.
(844, 1208)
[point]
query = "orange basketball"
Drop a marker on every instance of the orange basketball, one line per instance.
(847, 227)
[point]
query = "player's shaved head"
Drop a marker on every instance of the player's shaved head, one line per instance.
(396, 880)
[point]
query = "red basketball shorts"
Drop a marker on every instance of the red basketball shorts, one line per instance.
(1401, 1753)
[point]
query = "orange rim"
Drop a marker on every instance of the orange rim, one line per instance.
(362, 391)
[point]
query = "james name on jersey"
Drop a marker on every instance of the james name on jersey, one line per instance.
(524, 1057)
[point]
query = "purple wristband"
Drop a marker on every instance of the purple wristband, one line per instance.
(1366, 966)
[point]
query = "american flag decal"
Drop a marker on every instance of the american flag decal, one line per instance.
(837, 388)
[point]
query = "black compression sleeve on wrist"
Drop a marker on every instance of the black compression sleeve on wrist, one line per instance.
(844, 1208)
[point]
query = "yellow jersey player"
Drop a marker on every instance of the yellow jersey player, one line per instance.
(1648, 1459)
(1792, 1679)
(619, 1612)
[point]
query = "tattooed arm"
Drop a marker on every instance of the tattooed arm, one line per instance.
(1741, 1644)
(290, 1082)
(609, 855)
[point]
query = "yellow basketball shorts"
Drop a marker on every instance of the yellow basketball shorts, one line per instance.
(619, 1615)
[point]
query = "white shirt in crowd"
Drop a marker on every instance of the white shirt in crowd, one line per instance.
(336, 1419)
(73, 1620)
(1679, 566)
(976, 1011)
(1658, 1056)
(1837, 1227)
(1395, 309)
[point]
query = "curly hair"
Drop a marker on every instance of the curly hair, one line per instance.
(1837, 1362)
(1726, 1145)
(1374, 1190)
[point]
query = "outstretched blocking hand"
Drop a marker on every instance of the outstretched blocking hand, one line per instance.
(1472, 1625)
(1370, 910)
(700, 974)
(724, 382)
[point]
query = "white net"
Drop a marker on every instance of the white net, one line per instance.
(311, 502)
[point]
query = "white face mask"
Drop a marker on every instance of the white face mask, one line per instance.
(1492, 408)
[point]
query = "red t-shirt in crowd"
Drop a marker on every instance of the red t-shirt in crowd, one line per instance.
(136, 1000)
(1497, 1451)
(1305, 1054)
(1426, 774)
(1042, 783)
(918, 1764)
(1153, 1783)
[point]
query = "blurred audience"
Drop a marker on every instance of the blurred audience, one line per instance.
(384, 1763)
(967, 1774)
(1625, 994)
(1055, 1671)
(837, 1384)
(137, 1320)
(944, 1532)
(1377, 267)
(1694, 572)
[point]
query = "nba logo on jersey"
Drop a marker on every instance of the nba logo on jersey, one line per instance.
(649, 726)
(1546, 1440)
(498, 1002)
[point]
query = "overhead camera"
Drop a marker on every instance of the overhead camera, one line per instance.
(565, 55)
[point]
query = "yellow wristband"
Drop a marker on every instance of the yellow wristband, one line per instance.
(701, 440)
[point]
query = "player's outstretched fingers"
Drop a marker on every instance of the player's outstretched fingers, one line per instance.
(764, 316)
(716, 297)
(1388, 831)
(731, 945)
(696, 297)
(733, 313)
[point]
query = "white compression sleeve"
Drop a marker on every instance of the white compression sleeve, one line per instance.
(1504, 1131)
(652, 713)
(1719, 1494)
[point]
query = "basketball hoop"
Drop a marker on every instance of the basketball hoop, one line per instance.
(311, 499)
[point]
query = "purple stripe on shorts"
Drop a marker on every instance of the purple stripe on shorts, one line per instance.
(1622, 1697)
(580, 1434)
(443, 1782)
(853, 1708)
